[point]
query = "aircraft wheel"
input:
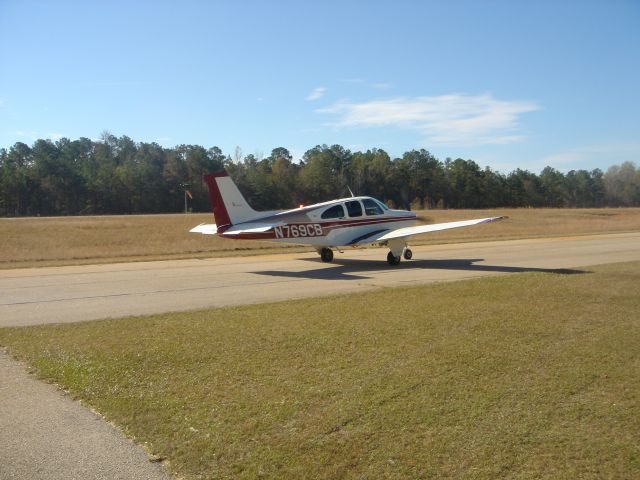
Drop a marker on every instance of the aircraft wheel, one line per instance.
(408, 254)
(326, 254)
(392, 259)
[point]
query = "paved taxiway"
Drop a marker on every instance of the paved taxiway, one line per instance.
(71, 294)
(46, 435)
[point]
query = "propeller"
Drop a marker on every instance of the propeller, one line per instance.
(424, 219)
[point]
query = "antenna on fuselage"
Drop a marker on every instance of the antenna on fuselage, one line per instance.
(350, 191)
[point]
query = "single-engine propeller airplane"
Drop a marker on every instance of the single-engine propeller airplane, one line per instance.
(336, 224)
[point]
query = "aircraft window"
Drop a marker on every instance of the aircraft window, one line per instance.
(354, 208)
(384, 207)
(371, 207)
(334, 212)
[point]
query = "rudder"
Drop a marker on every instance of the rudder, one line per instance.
(228, 205)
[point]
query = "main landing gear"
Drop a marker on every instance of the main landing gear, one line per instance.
(397, 249)
(392, 259)
(395, 259)
(326, 254)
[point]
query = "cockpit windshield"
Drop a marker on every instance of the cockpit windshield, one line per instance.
(371, 207)
(382, 205)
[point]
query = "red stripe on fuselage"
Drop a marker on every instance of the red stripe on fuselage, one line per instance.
(357, 222)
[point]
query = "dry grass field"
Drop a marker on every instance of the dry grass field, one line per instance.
(28, 242)
(531, 375)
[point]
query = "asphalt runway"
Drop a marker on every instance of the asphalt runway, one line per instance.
(77, 293)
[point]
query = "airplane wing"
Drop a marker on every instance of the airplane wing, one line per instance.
(205, 229)
(418, 229)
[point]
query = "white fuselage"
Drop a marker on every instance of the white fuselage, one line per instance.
(339, 223)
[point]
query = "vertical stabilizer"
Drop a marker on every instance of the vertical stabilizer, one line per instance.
(228, 204)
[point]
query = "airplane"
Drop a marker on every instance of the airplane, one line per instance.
(336, 224)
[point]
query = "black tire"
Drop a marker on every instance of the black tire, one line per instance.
(326, 254)
(392, 259)
(408, 254)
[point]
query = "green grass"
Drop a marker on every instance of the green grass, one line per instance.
(530, 375)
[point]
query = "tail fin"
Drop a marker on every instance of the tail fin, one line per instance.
(228, 204)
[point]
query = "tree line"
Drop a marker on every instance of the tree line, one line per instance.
(119, 176)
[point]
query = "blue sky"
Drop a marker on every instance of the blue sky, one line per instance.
(508, 84)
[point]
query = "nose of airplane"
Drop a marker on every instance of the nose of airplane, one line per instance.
(405, 213)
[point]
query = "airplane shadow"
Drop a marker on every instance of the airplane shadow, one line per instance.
(355, 269)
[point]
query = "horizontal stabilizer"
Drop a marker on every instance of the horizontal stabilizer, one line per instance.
(251, 227)
(205, 229)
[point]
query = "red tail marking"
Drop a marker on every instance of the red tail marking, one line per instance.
(217, 204)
